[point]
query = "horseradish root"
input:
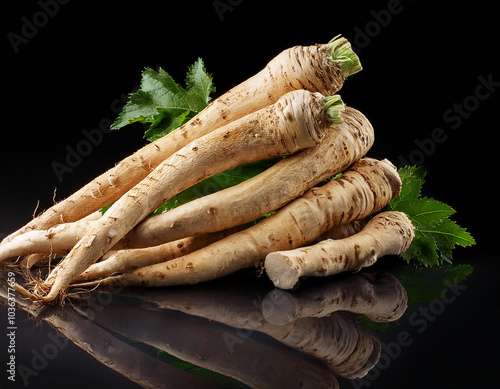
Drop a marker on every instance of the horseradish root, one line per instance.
(387, 233)
(119, 261)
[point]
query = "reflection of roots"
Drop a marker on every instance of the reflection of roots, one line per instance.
(347, 347)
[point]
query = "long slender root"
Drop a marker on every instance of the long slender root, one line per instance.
(121, 261)
(56, 240)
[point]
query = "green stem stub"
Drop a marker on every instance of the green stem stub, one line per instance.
(333, 108)
(344, 56)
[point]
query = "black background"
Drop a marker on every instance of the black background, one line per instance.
(419, 62)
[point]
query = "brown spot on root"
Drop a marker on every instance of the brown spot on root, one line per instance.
(196, 121)
(357, 251)
(125, 242)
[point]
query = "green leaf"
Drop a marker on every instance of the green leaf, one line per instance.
(165, 123)
(163, 105)
(199, 85)
(413, 179)
(435, 234)
(448, 235)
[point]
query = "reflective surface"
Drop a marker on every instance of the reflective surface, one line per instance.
(343, 331)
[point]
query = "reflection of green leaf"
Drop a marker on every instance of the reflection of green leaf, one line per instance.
(423, 285)
(222, 381)
(372, 324)
(426, 284)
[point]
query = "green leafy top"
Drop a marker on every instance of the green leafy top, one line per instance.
(163, 105)
(435, 234)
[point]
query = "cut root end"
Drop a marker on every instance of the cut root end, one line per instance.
(281, 271)
(334, 106)
(343, 54)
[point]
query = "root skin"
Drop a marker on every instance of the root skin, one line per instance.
(363, 189)
(387, 233)
(343, 230)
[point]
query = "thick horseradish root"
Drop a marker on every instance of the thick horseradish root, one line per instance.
(342, 145)
(387, 233)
